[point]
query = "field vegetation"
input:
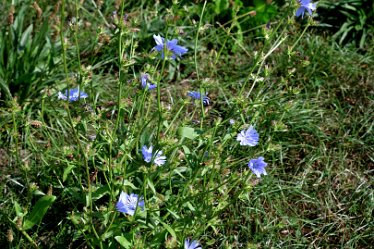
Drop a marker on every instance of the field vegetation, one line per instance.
(186, 124)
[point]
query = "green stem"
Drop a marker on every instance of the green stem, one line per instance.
(15, 131)
(175, 117)
(76, 137)
(75, 30)
(120, 57)
(202, 106)
(298, 39)
(29, 238)
(197, 68)
(159, 94)
(262, 60)
(262, 64)
(224, 42)
(197, 38)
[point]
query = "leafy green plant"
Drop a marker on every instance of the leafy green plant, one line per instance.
(239, 17)
(28, 55)
(261, 11)
(252, 13)
(350, 19)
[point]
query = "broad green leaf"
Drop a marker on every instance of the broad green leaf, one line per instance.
(188, 132)
(38, 211)
(123, 241)
(67, 172)
(18, 209)
(186, 150)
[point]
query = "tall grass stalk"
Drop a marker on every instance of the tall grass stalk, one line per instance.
(75, 135)
(260, 59)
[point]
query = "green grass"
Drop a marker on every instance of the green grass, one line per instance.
(63, 165)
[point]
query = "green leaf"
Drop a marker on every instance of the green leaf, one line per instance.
(179, 171)
(100, 192)
(174, 214)
(123, 241)
(221, 5)
(186, 150)
(26, 35)
(189, 205)
(362, 40)
(166, 124)
(150, 184)
(38, 212)
(188, 132)
(18, 209)
(67, 172)
(260, 5)
(170, 230)
(128, 183)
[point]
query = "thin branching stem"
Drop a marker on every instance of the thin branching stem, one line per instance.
(71, 123)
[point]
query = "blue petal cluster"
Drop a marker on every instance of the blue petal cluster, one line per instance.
(176, 50)
(305, 5)
(74, 95)
(258, 166)
(248, 137)
(148, 155)
(127, 203)
(188, 244)
(144, 80)
(197, 95)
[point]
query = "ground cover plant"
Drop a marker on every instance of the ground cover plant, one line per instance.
(182, 124)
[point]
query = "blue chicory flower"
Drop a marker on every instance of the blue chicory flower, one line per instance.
(194, 244)
(74, 95)
(258, 166)
(248, 137)
(305, 5)
(171, 46)
(148, 156)
(127, 203)
(197, 95)
(145, 85)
